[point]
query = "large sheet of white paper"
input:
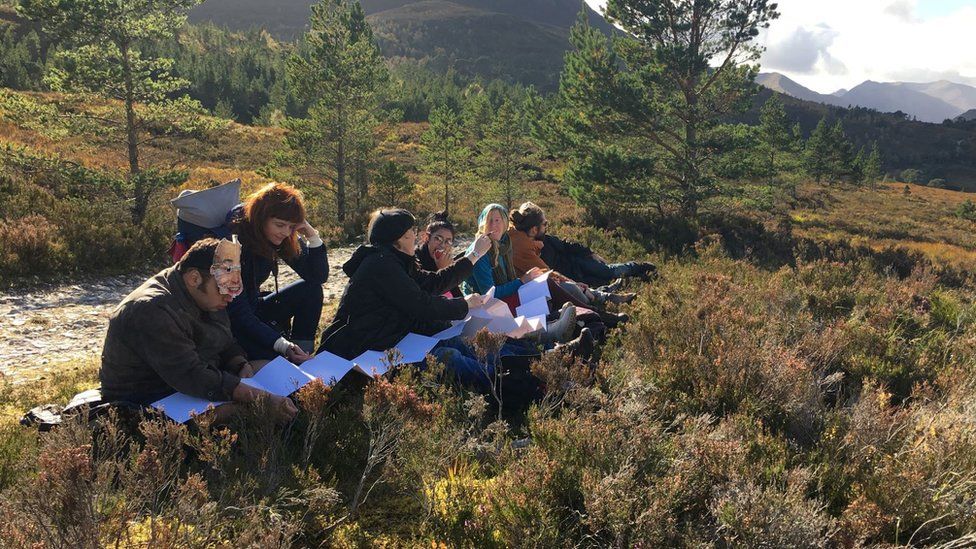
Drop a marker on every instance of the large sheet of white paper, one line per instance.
(328, 367)
(182, 407)
(374, 363)
(414, 347)
(534, 308)
(534, 289)
(474, 325)
(455, 330)
(279, 377)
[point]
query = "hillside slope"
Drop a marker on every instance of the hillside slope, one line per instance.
(519, 41)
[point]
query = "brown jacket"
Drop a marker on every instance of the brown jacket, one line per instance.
(525, 252)
(159, 341)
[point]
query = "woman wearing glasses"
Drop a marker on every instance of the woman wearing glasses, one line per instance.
(436, 249)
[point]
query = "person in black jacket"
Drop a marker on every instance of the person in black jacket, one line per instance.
(582, 264)
(389, 296)
(271, 224)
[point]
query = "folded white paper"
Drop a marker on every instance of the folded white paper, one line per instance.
(182, 407)
(534, 289)
(536, 307)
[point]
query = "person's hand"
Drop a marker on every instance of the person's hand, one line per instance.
(285, 409)
(474, 301)
(246, 370)
(482, 245)
(531, 275)
(306, 230)
(297, 355)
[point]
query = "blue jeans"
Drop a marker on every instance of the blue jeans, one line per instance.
(462, 362)
(297, 306)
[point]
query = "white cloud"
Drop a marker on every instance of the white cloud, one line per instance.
(881, 40)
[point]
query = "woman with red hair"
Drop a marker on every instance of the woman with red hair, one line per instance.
(271, 224)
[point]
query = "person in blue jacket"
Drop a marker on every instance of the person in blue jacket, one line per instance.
(271, 225)
(496, 267)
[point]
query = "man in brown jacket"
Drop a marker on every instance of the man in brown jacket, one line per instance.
(172, 334)
(528, 227)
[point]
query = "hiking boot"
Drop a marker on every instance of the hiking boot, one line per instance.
(612, 320)
(614, 286)
(581, 347)
(619, 299)
(647, 271)
(560, 330)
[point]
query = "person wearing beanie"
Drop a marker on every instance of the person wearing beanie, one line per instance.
(271, 225)
(389, 296)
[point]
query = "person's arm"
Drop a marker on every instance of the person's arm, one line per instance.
(395, 285)
(442, 281)
(155, 335)
(312, 264)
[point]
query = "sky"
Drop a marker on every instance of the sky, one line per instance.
(826, 45)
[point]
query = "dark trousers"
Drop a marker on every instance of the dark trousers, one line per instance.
(597, 273)
(294, 311)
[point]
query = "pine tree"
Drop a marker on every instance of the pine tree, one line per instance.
(775, 133)
(104, 45)
(873, 170)
(444, 154)
(841, 158)
(339, 72)
(477, 113)
(504, 150)
(392, 183)
(818, 151)
(656, 92)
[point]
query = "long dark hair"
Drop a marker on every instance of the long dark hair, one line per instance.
(273, 200)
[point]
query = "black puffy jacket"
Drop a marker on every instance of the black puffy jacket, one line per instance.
(387, 297)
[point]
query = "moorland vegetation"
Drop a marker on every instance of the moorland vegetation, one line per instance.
(801, 373)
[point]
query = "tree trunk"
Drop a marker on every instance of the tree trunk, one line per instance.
(140, 192)
(447, 196)
(341, 183)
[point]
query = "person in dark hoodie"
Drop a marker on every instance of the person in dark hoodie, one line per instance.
(271, 224)
(389, 296)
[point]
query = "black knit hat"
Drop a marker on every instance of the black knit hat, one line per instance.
(387, 226)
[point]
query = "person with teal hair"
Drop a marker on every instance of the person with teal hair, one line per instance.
(496, 268)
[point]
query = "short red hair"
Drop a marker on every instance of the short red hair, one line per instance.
(273, 200)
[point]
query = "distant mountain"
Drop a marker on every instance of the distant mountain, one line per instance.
(892, 97)
(780, 83)
(515, 40)
(960, 96)
(967, 116)
(928, 102)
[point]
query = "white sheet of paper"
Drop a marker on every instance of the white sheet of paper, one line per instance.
(536, 307)
(490, 294)
(181, 407)
(373, 362)
(414, 347)
(537, 323)
(503, 325)
(534, 289)
(474, 325)
(328, 367)
(455, 330)
(279, 377)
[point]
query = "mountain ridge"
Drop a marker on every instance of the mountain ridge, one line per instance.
(927, 101)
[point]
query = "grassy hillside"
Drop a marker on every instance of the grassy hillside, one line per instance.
(946, 151)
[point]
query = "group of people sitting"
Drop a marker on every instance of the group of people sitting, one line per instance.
(204, 323)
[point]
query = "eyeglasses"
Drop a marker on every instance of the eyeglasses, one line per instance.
(438, 239)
